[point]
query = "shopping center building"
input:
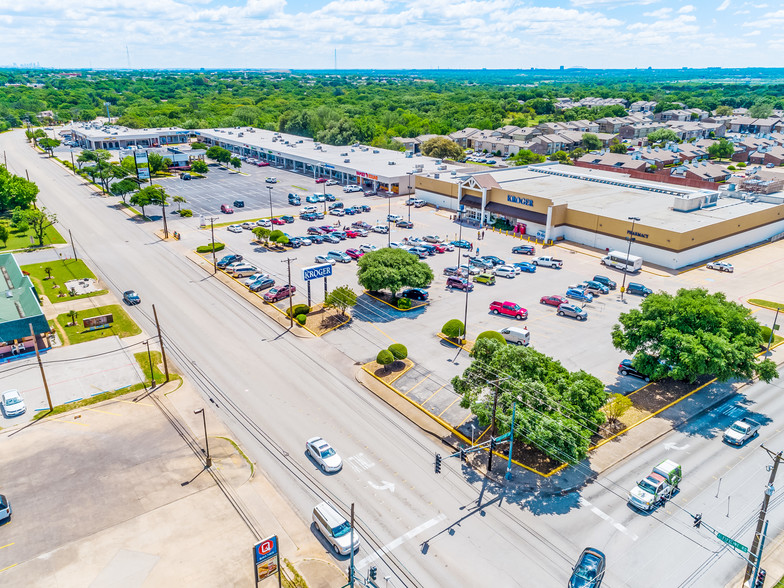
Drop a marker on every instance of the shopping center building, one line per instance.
(96, 135)
(677, 226)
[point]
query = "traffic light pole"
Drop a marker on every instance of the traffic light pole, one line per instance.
(753, 553)
(756, 574)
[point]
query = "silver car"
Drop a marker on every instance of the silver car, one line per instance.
(573, 311)
(13, 405)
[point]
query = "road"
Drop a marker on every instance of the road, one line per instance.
(275, 391)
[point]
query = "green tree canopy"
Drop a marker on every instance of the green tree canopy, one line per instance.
(49, 145)
(762, 108)
(442, 148)
(123, 188)
(591, 142)
(693, 334)
(340, 298)
(723, 110)
(15, 192)
(617, 147)
(391, 269)
(526, 157)
(199, 167)
(557, 410)
(38, 219)
(662, 136)
(721, 149)
(454, 329)
(219, 154)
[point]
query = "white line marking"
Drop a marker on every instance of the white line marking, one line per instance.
(604, 516)
(398, 542)
(360, 463)
(384, 486)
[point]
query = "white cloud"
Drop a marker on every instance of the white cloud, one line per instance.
(752, 34)
(609, 3)
(686, 9)
(724, 5)
(661, 13)
(742, 12)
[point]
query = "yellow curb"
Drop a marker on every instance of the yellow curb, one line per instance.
(448, 340)
(418, 306)
(781, 307)
(400, 375)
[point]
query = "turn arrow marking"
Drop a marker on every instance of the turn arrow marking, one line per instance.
(384, 486)
(669, 446)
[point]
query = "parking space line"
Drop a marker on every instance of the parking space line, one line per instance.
(431, 396)
(9, 545)
(448, 407)
(470, 414)
(137, 403)
(71, 422)
(383, 333)
(8, 568)
(482, 435)
(417, 384)
(104, 412)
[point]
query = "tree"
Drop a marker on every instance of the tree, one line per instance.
(692, 334)
(262, 234)
(219, 154)
(235, 162)
(15, 192)
(72, 314)
(721, 149)
(391, 269)
(495, 335)
(617, 147)
(561, 156)
(723, 110)
(4, 234)
(762, 108)
(198, 145)
(662, 136)
(526, 157)
(340, 298)
(141, 199)
(123, 188)
(557, 410)
(399, 351)
(157, 162)
(442, 148)
(39, 220)
(49, 145)
(591, 142)
(199, 167)
(180, 200)
(454, 329)
(385, 358)
(616, 406)
(48, 271)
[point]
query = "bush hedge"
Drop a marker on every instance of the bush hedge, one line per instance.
(186, 212)
(385, 357)
(404, 303)
(398, 350)
(208, 248)
(299, 309)
(301, 318)
(453, 329)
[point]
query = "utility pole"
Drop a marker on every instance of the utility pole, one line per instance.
(291, 296)
(773, 329)
(753, 553)
(492, 423)
(270, 200)
(149, 359)
(41, 365)
(214, 260)
(73, 246)
(389, 223)
(628, 251)
(208, 463)
(160, 342)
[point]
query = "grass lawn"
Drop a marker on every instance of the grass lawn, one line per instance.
(63, 270)
(780, 584)
(22, 240)
(122, 326)
(157, 360)
(766, 303)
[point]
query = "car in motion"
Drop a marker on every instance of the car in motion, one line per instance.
(12, 402)
(588, 572)
(721, 266)
(130, 297)
(572, 311)
(741, 431)
(278, 294)
(323, 454)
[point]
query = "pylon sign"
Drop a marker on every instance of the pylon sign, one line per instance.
(266, 558)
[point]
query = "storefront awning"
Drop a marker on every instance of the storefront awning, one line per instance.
(471, 201)
(517, 213)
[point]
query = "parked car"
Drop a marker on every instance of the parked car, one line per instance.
(271, 180)
(554, 300)
(322, 453)
(573, 311)
(509, 309)
(463, 244)
(130, 297)
(364, 207)
(605, 281)
(506, 271)
(226, 209)
(360, 232)
(333, 183)
(432, 239)
(248, 225)
(367, 248)
(325, 259)
(12, 402)
(261, 284)
(741, 431)
(361, 225)
(294, 200)
(312, 199)
(480, 262)
(286, 218)
(470, 270)
(579, 294)
(239, 204)
(337, 212)
(354, 253)
(235, 228)
(404, 224)
(721, 266)
(524, 249)
(330, 238)
(277, 294)
(638, 289)
(339, 256)
(588, 572)
(525, 266)
(340, 235)
(485, 278)
(321, 180)
(459, 283)
(278, 221)
(625, 368)
(224, 261)
(351, 234)
(351, 188)
(316, 239)
(415, 294)
(381, 229)
(516, 335)
(453, 270)
(257, 276)
(493, 260)
(314, 231)
(328, 197)
(263, 222)
(5, 508)
(595, 287)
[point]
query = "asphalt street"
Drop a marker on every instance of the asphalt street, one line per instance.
(457, 529)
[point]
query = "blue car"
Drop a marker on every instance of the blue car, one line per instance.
(579, 294)
(525, 266)
(462, 244)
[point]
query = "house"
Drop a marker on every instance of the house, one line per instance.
(689, 152)
(765, 125)
(740, 124)
(681, 114)
(506, 131)
(527, 133)
(639, 130)
(584, 126)
(463, 137)
(642, 106)
(705, 171)
(768, 155)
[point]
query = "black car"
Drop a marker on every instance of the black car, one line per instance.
(316, 239)
(227, 259)
(415, 294)
(364, 207)
(588, 572)
(131, 297)
(606, 281)
(524, 249)
(239, 204)
(639, 289)
(626, 369)
(261, 284)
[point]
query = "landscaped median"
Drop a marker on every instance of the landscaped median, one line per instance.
(73, 332)
(50, 278)
(389, 299)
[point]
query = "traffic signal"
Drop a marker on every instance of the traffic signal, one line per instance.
(492, 445)
(760, 579)
(373, 572)
(697, 521)
(438, 463)
(462, 454)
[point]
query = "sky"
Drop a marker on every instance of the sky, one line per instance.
(391, 34)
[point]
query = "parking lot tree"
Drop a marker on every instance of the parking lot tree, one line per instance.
(157, 162)
(186, 213)
(198, 145)
(442, 148)
(200, 167)
(341, 298)
(691, 334)
(235, 162)
(591, 142)
(385, 358)
(557, 410)
(48, 144)
(180, 200)
(454, 329)
(391, 269)
(662, 136)
(15, 191)
(219, 154)
(262, 234)
(123, 188)
(38, 219)
(399, 351)
(617, 147)
(616, 407)
(4, 234)
(721, 149)
(141, 199)
(494, 335)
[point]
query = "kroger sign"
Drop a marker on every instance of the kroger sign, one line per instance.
(314, 272)
(518, 200)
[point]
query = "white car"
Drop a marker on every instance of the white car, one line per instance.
(367, 248)
(361, 232)
(397, 245)
(248, 225)
(506, 271)
(305, 241)
(381, 229)
(263, 222)
(352, 188)
(721, 266)
(271, 180)
(333, 183)
(325, 259)
(235, 228)
(253, 278)
(323, 454)
(13, 405)
(741, 431)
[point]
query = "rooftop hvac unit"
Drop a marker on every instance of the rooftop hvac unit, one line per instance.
(441, 167)
(438, 162)
(409, 154)
(436, 176)
(688, 202)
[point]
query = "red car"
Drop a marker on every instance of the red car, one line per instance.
(328, 228)
(553, 300)
(351, 234)
(278, 221)
(277, 294)
(262, 164)
(321, 180)
(354, 253)
(226, 209)
(439, 248)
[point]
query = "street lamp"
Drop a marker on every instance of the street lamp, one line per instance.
(628, 251)
(149, 359)
(270, 199)
(212, 232)
(409, 195)
(389, 223)
(206, 440)
(460, 236)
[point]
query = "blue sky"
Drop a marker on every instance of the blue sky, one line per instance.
(388, 34)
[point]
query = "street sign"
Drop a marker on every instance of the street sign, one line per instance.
(315, 272)
(732, 542)
(265, 556)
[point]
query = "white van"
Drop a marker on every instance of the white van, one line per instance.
(516, 335)
(242, 270)
(622, 261)
(335, 528)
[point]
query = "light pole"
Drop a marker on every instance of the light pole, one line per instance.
(409, 195)
(206, 440)
(772, 329)
(270, 199)
(634, 219)
(460, 236)
(389, 223)
(214, 259)
(149, 359)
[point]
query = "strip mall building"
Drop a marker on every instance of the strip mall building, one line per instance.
(678, 226)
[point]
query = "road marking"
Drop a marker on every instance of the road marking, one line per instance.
(399, 541)
(9, 545)
(604, 516)
(668, 446)
(450, 406)
(360, 463)
(104, 412)
(384, 486)
(417, 384)
(8, 568)
(431, 396)
(138, 403)
(62, 420)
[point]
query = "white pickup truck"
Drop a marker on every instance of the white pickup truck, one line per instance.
(547, 261)
(741, 431)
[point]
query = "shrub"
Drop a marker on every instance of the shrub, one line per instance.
(616, 406)
(493, 336)
(385, 357)
(208, 248)
(186, 212)
(301, 318)
(299, 309)
(741, 164)
(398, 350)
(404, 303)
(453, 329)
(731, 167)
(765, 335)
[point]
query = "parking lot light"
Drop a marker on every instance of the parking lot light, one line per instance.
(270, 200)
(206, 440)
(628, 251)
